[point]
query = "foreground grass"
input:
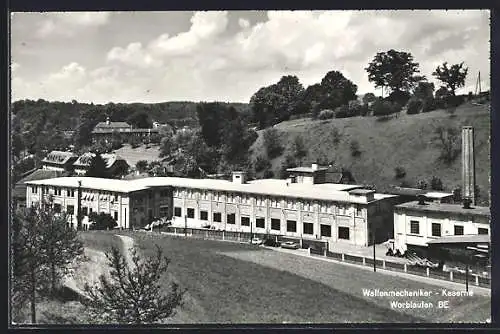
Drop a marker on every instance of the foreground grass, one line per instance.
(236, 283)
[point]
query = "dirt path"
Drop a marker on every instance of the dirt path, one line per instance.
(128, 244)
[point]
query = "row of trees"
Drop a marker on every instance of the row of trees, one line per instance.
(395, 72)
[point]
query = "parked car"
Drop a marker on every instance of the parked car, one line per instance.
(271, 242)
(256, 241)
(290, 245)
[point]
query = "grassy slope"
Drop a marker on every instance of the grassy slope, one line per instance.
(234, 283)
(406, 141)
(133, 155)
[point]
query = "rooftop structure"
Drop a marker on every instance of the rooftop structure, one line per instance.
(59, 157)
(317, 174)
(446, 208)
(264, 187)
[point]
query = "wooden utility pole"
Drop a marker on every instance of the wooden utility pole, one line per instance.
(79, 205)
(374, 258)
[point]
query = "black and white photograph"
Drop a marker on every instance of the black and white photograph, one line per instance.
(250, 167)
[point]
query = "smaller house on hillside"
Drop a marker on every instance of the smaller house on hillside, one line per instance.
(59, 161)
(105, 131)
(114, 163)
(19, 191)
(317, 174)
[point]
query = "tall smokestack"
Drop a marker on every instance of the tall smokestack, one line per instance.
(468, 164)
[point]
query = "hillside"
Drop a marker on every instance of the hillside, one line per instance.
(406, 141)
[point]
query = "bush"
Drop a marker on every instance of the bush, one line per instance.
(385, 107)
(355, 151)
(326, 114)
(272, 143)
(342, 112)
(414, 106)
(101, 221)
(400, 172)
(436, 184)
(421, 184)
(429, 105)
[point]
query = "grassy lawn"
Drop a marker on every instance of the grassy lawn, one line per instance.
(100, 240)
(234, 283)
(406, 141)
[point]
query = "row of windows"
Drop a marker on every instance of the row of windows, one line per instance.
(436, 229)
(57, 191)
(291, 225)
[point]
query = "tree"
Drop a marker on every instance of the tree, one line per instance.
(299, 150)
(424, 91)
(436, 184)
(141, 165)
(288, 162)
(395, 70)
(452, 77)
(97, 167)
(369, 98)
(102, 221)
(60, 244)
(28, 267)
(140, 119)
(399, 172)
(133, 293)
(337, 90)
(421, 184)
(312, 98)
(447, 139)
(272, 143)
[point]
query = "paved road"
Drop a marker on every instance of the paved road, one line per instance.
(438, 282)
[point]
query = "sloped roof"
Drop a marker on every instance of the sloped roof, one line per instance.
(109, 159)
(467, 238)
(111, 125)
(19, 190)
(59, 157)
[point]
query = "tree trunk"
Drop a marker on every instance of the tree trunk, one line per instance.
(33, 295)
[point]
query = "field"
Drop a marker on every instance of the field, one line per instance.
(406, 141)
(132, 155)
(235, 283)
(239, 283)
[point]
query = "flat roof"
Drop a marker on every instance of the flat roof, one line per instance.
(262, 187)
(467, 238)
(447, 208)
(306, 169)
(361, 191)
(437, 194)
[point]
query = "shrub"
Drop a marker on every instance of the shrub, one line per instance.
(354, 108)
(421, 184)
(355, 151)
(365, 110)
(272, 143)
(436, 184)
(414, 106)
(400, 172)
(326, 114)
(342, 112)
(101, 221)
(429, 104)
(385, 107)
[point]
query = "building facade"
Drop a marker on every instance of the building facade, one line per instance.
(328, 212)
(417, 223)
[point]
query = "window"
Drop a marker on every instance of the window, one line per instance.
(57, 191)
(190, 213)
(85, 211)
(459, 230)
(115, 215)
(70, 193)
(275, 224)
(344, 233)
(177, 211)
(217, 217)
(482, 230)
(326, 230)
(70, 209)
(231, 218)
(308, 228)
(115, 198)
(414, 227)
(57, 207)
(245, 221)
(34, 190)
(436, 229)
(359, 211)
(203, 215)
(90, 210)
(164, 211)
(260, 223)
(164, 193)
(291, 226)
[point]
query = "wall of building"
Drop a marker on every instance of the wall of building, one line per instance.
(286, 211)
(403, 219)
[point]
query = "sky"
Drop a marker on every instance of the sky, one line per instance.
(151, 57)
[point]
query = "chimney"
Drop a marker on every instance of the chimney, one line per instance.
(239, 177)
(314, 166)
(107, 121)
(468, 167)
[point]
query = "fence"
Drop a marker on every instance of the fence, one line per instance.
(320, 248)
(457, 277)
